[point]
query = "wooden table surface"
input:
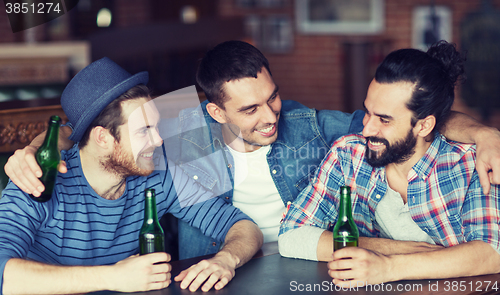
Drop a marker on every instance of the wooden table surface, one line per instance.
(269, 273)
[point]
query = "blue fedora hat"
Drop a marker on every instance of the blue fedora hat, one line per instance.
(92, 89)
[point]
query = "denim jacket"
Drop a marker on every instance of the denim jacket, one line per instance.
(305, 136)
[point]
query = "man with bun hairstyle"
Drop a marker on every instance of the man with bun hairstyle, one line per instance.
(254, 149)
(85, 238)
(414, 193)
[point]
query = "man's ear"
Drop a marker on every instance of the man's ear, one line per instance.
(216, 112)
(102, 137)
(426, 125)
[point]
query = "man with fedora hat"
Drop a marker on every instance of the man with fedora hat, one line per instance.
(244, 123)
(262, 151)
(85, 238)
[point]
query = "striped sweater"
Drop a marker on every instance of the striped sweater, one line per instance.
(78, 227)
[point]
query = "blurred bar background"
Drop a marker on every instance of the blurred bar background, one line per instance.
(323, 53)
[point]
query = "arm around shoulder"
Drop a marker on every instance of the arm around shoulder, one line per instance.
(23, 169)
(463, 128)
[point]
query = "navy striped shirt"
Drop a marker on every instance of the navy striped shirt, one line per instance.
(78, 227)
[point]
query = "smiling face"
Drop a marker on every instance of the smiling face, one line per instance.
(139, 137)
(251, 112)
(388, 131)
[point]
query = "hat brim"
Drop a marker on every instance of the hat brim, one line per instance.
(99, 104)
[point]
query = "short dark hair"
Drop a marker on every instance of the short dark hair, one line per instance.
(230, 60)
(434, 73)
(111, 116)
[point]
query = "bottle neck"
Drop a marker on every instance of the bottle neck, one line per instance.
(150, 214)
(52, 135)
(345, 208)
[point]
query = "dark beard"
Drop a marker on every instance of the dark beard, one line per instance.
(122, 164)
(397, 153)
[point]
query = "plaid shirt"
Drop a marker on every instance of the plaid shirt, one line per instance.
(445, 197)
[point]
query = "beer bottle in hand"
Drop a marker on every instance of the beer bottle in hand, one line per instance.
(48, 157)
(345, 232)
(151, 237)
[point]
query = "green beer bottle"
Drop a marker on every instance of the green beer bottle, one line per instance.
(48, 157)
(151, 237)
(345, 232)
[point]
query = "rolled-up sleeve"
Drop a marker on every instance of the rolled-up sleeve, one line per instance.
(481, 214)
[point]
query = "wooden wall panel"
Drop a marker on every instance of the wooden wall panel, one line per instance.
(18, 127)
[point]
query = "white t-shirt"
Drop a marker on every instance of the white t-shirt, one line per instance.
(255, 192)
(394, 219)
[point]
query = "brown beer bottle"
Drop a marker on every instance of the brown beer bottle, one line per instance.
(151, 236)
(345, 232)
(48, 158)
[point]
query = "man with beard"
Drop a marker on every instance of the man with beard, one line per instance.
(416, 195)
(254, 150)
(268, 148)
(85, 238)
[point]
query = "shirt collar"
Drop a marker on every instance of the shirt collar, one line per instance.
(424, 166)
